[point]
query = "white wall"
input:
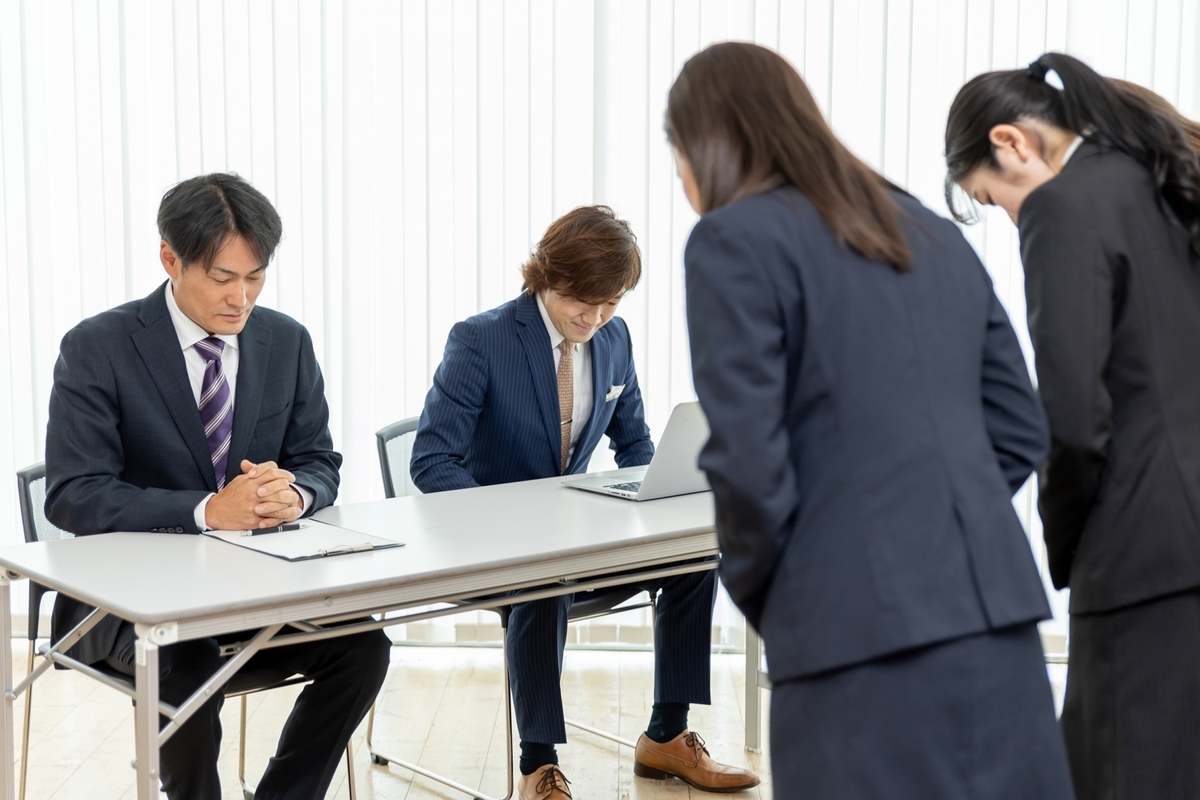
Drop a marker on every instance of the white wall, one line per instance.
(416, 150)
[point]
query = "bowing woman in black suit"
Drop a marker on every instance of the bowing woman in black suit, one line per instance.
(1105, 192)
(871, 416)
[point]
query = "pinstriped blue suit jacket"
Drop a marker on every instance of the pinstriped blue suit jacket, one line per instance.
(492, 414)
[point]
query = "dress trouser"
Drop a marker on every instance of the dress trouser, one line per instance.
(1131, 716)
(346, 674)
(537, 635)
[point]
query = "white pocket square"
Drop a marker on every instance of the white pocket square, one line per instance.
(614, 393)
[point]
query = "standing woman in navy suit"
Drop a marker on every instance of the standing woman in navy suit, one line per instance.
(871, 416)
(1104, 187)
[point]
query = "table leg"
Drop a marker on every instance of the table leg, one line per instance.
(7, 732)
(753, 723)
(146, 716)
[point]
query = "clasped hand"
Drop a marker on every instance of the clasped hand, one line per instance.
(261, 497)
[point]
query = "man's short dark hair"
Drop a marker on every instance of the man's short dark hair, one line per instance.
(586, 254)
(199, 216)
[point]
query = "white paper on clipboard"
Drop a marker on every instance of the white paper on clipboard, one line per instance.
(313, 540)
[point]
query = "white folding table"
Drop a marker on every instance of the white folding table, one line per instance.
(535, 536)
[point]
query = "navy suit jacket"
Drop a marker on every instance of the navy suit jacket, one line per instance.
(125, 447)
(492, 414)
(869, 428)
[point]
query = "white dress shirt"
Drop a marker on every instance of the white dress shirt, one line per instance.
(1070, 151)
(189, 333)
(581, 361)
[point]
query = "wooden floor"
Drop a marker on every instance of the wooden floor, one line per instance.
(441, 707)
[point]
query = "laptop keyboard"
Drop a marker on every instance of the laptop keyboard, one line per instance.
(632, 486)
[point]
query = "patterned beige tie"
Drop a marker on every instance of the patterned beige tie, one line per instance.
(566, 399)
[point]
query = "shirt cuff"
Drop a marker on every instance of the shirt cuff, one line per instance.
(306, 498)
(198, 514)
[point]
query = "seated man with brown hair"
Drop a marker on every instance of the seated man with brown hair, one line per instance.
(525, 391)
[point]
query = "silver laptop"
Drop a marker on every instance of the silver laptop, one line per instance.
(673, 469)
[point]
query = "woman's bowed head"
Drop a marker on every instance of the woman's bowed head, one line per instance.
(1011, 131)
(741, 122)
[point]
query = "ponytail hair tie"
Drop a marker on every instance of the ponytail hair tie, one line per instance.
(1046, 74)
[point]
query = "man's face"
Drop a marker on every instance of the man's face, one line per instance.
(575, 320)
(221, 299)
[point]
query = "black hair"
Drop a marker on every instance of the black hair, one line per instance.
(1085, 103)
(197, 217)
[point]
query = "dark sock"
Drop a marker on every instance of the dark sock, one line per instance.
(535, 755)
(667, 721)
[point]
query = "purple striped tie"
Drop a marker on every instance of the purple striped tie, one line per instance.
(216, 406)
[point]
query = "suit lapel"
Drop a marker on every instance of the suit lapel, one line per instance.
(541, 366)
(254, 354)
(158, 345)
(600, 375)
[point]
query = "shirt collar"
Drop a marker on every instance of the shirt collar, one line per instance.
(556, 338)
(1071, 150)
(186, 329)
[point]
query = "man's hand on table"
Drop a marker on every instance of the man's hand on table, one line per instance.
(261, 497)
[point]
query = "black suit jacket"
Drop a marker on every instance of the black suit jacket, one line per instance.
(869, 428)
(125, 448)
(1114, 311)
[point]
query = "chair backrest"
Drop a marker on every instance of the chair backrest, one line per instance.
(31, 490)
(31, 487)
(394, 443)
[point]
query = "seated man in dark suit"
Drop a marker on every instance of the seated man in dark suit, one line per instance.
(191, 410)
(525, 391)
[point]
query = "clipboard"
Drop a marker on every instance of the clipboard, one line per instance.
(313, 540)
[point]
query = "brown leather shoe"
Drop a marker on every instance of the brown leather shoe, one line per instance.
(545, 783)
(685, 757)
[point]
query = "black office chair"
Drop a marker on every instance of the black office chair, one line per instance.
(31, 487)
(394, 444)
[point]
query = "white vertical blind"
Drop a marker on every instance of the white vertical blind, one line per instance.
(417, 149)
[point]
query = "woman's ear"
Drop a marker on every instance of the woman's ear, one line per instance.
(1010, 140)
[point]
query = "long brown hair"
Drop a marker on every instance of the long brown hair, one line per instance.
(746, 122)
